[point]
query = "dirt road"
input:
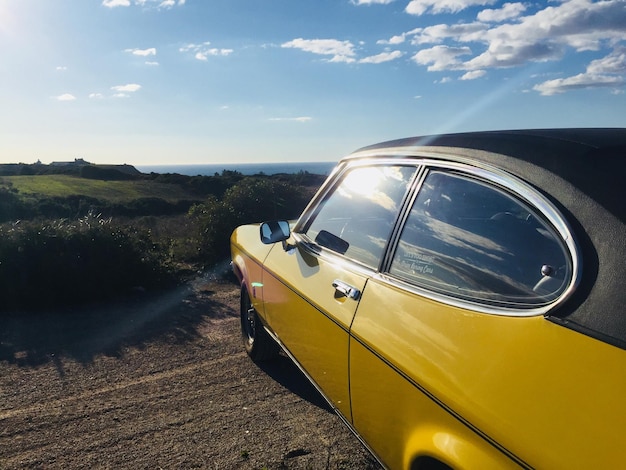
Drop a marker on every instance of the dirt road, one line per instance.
(162, 383)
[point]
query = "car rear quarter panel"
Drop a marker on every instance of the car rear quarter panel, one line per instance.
(543, 394)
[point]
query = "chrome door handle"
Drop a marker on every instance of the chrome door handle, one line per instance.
(346, 289)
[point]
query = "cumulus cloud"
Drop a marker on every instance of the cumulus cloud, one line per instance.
(382, 57)
(441, 58)
(399, 38)
(131, 88)
(473, 75)
(371, 2)
(116, 3)
(582, 80)
(462, 32)
(607, 72)
(65, 97)
(122, 91)
(341, 51)
(613, 63)
(507, 12)
(142, 52)
(204, 51)
(502, 38)
(420, 7)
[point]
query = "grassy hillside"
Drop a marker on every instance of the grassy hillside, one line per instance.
(112, 191)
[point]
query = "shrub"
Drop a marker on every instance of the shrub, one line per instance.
(60, 263)
(253, 199)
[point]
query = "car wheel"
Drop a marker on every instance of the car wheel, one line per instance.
(258, 343)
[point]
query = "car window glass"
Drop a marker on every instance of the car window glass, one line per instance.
(472, 240)
(357, 217)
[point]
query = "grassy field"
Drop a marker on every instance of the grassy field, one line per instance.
(113, 191)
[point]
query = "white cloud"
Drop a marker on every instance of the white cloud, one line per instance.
(342, 51)
(613, 63)
(440, 58)
(608, 71)
(462, 32)
(419, 7)
(295, 119)
(171, 3)
(142, 52)
(473, 75)
(203, 55)
(382, 57)
(371, 2)
(151, 63)
(65, 97)
(507, 12)
(158, 4)
(204, 51)
(130, 88)
(400, 38)
(545, 35)
(96, 96)
(582, 80)
(61, 68)
(116, 3)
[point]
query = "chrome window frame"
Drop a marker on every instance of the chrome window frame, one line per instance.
(424, 160)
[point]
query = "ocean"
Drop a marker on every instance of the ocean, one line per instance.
(317, 168)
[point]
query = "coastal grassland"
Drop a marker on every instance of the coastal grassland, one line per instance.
(37, 186)
(72, 240)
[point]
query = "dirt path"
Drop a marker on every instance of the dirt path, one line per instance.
(158, 384)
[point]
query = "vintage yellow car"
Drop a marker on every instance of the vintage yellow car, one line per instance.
(458, 299)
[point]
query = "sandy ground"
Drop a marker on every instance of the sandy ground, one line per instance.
(158, 383)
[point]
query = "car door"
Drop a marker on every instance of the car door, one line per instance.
(449, 345)
(312, 286)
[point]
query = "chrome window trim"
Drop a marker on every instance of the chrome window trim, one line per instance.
(444, 158)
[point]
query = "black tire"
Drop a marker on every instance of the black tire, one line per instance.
(258, 343)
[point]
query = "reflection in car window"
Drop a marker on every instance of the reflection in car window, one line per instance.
(361, 211)
(471, 240)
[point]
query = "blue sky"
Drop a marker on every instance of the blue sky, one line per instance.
(217, 81)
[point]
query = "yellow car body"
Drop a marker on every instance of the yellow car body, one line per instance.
(435, 380)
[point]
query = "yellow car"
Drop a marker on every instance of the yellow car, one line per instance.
(458, 299)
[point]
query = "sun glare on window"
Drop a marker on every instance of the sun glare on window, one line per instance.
(363, 181)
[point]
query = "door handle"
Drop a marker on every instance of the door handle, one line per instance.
(346, 289)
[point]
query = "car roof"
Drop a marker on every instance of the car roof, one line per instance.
(583, 172)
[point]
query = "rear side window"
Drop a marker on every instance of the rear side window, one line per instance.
(357, 217)
(470, 239)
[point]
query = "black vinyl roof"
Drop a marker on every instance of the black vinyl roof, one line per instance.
(583, 171)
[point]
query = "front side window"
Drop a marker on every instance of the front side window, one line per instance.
(472, 240)
(357, 217)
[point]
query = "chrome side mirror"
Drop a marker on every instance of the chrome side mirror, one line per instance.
(275, 231)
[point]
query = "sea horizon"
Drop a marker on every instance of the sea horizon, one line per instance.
(318, 168)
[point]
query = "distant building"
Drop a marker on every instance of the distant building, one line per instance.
(76, 162)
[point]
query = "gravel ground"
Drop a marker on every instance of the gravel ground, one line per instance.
(158, 383)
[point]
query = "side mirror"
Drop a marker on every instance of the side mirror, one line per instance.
(275, 231)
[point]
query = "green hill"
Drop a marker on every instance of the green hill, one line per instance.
(41, 186)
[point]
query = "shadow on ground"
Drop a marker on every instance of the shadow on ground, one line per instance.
(286, 373)
(29, 339)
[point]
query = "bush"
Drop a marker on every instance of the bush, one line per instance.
(58, 263)
(253, 199)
